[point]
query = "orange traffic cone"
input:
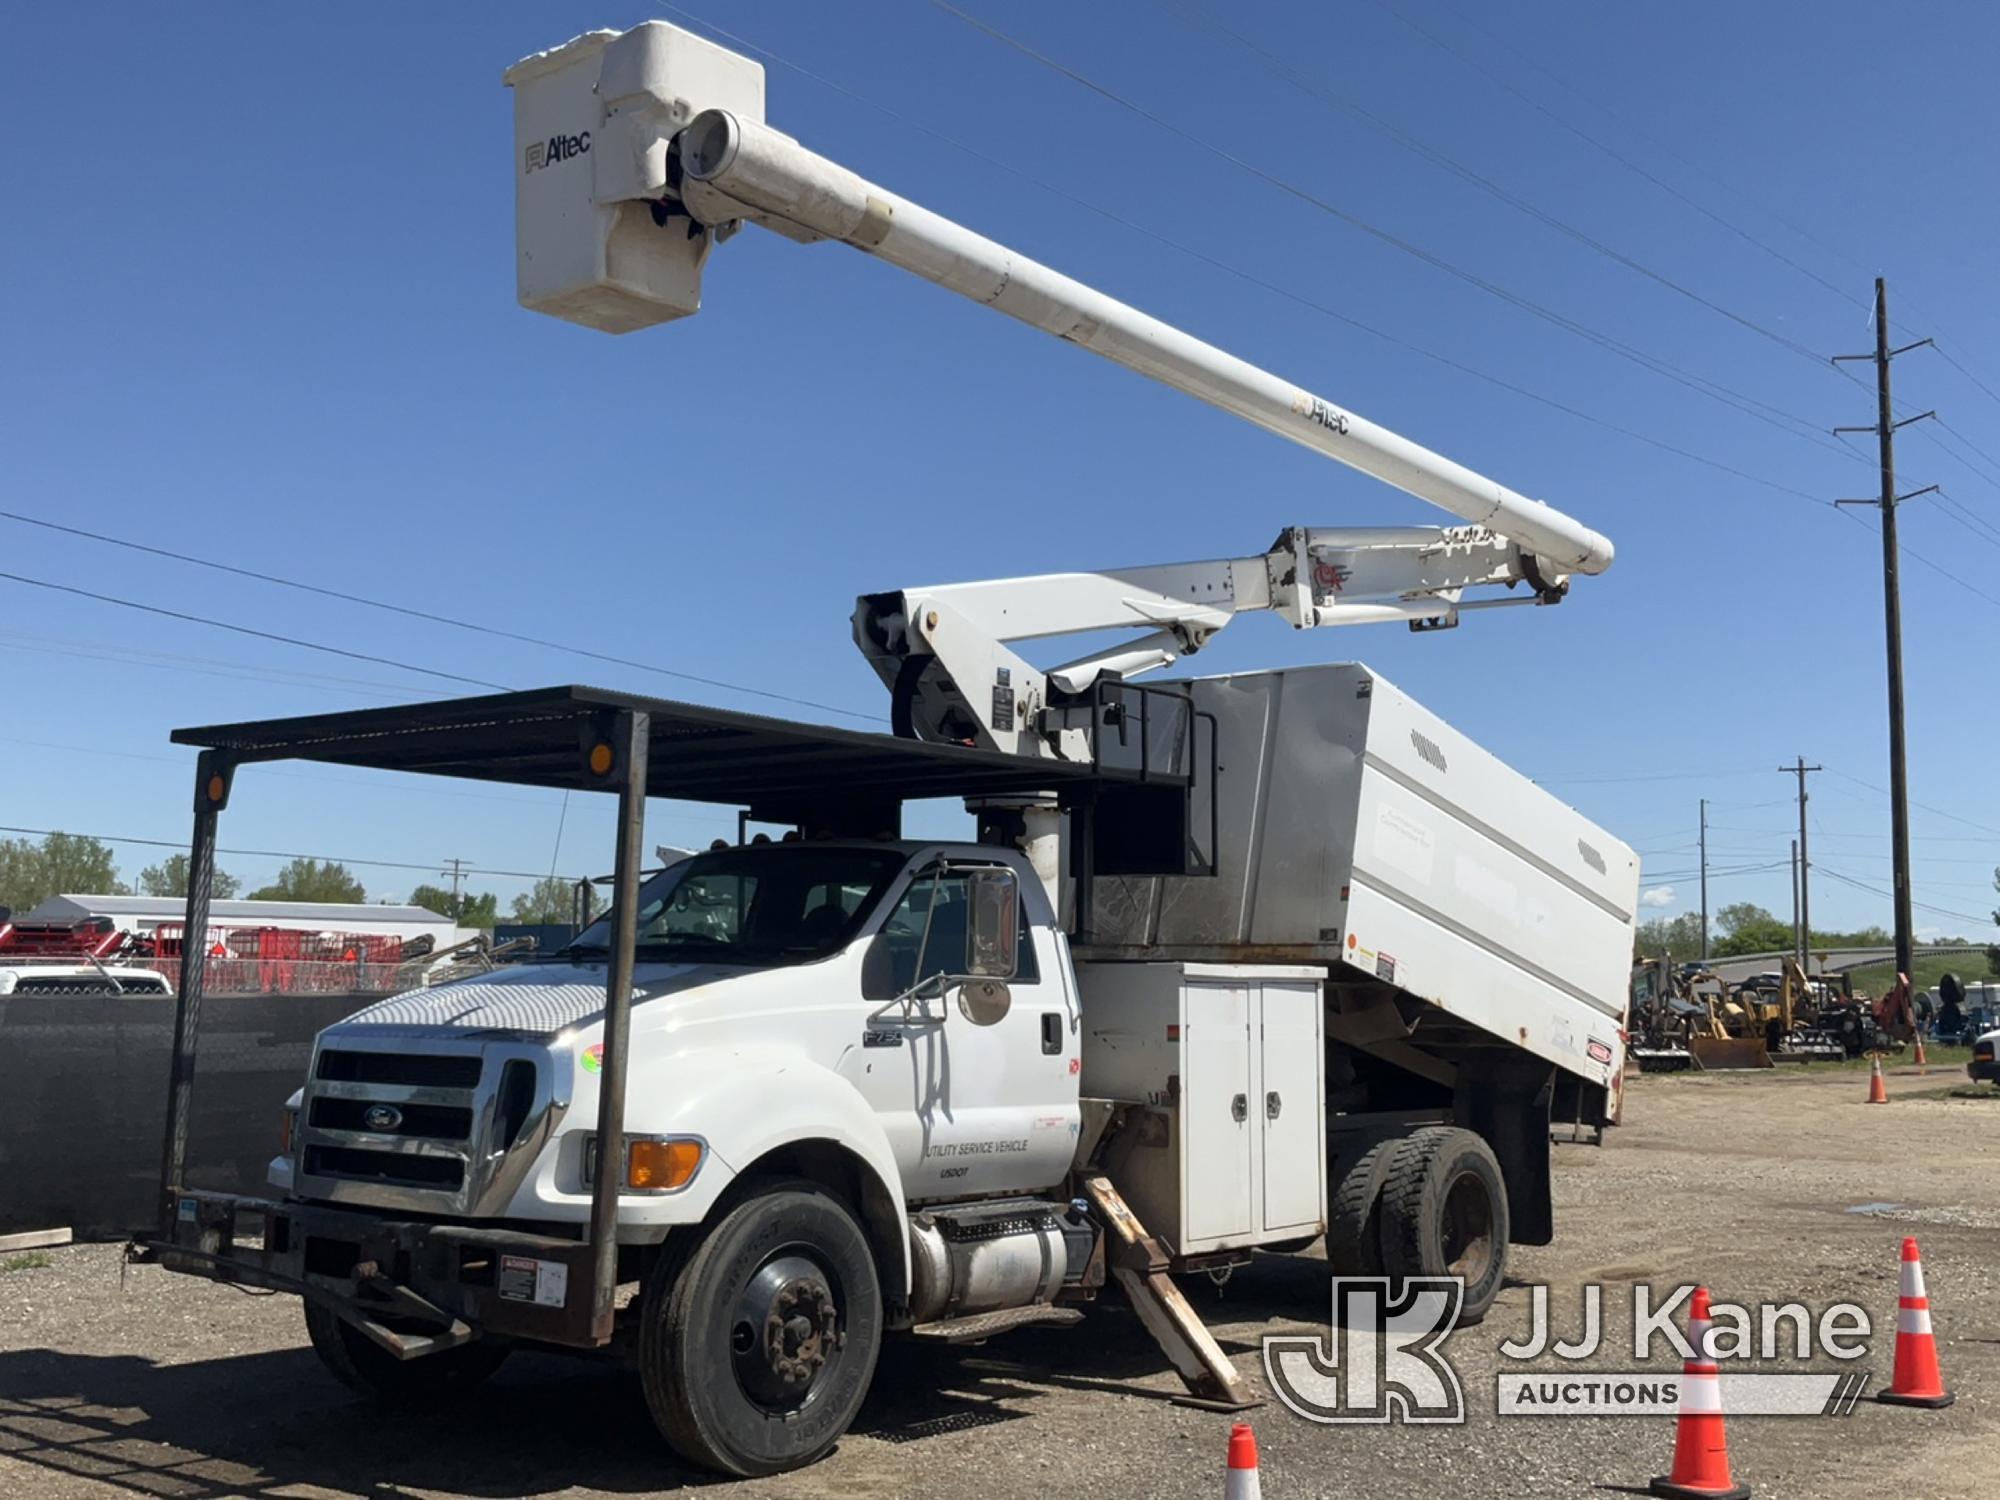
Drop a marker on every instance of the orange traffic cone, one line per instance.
(1917, 1380)
(1878, 1087)
(1701, 1451)
(1242, 1481)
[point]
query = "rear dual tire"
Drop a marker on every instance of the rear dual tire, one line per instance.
(1429, 1204)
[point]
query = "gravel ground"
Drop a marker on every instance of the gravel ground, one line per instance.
(1771, 1186)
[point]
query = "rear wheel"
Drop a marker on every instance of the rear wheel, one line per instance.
(1444, 1213)
(1354, 1209)
(362, 1365)
(757, 1347)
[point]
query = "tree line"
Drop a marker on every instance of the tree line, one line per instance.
(1744, 927)
(32, 870)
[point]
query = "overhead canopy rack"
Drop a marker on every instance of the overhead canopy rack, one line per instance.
(842, 779)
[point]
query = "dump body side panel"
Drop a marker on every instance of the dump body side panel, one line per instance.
(1359, 830)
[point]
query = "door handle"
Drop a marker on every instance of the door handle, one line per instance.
(1239, 1108)
(1274, 1105)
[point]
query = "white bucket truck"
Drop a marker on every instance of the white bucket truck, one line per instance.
(1234, 963)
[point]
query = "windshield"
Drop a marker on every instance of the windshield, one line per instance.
(771, 903)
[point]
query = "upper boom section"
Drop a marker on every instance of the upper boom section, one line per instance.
(640, 151)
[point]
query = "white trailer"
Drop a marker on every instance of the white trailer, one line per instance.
(1234, 962)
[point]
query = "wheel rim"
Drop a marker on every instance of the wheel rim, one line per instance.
(1467, 1230)
(786, 1335)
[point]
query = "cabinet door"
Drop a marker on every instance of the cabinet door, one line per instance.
(1289, 1107)
(1218, 1120)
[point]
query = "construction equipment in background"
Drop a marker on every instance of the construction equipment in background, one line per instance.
(1689, 1018)
(1686, 1019)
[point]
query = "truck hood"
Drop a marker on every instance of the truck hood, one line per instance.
(538, 1000)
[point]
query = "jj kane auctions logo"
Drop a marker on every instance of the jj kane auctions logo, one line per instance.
(557, 148)
(1383, 1359)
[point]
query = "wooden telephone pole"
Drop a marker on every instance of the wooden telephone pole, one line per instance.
(1892, 612)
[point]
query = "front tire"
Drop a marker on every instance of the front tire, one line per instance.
(756, 1348)
(364, 1366)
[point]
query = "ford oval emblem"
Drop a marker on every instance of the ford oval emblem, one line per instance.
(383, 1118)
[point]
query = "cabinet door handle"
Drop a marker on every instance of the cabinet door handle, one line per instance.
(1274, 1105)
(1239, 1108)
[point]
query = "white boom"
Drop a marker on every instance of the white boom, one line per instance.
(641, 151)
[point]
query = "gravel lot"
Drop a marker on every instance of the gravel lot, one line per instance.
(150, 1384)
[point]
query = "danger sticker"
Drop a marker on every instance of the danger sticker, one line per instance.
(525, 1279)
(1385, 967)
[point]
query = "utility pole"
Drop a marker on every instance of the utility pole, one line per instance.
(457, 875)
(1892, 611)
(1704, 879)
(1804, 864)
(1799, 947)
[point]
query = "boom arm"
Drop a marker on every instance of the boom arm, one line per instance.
(639, 152)
(944, 650)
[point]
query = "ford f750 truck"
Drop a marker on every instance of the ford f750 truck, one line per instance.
(1230, 964)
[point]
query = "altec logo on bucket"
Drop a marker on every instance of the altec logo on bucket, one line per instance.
(557, 148)
(1384, 1359)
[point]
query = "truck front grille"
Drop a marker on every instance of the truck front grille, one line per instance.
(408, 1127)
(440, 1172)
(442, 1122)
(410, 1069)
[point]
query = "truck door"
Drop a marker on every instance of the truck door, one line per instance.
(984, 1109)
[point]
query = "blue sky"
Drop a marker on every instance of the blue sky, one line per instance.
(258, 301)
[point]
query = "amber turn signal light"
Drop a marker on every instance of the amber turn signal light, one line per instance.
(661, 1166)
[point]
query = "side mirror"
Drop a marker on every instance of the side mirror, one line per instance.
(993, 924)
(984, 1002)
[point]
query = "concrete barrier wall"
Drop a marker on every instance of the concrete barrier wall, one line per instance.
(83, 1090)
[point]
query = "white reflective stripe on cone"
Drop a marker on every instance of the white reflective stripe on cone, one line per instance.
(1701, 1334)
(1913, 1320)
(1701, 1395)
(1913, 1278)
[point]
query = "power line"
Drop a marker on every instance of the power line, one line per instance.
(1936, 811)
(181, 844)
(264, 635)
(1643, 776)
(398, 609)
(1941, 911)
(205, 666)
(1419, 147)
(1945, 355)
(1741, 401)
(1915, 556)
(1622, 160)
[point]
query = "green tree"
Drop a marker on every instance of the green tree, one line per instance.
(1748, 928)
(311, 880)
(482, 910)
(1678, 937)
(552, 901)
(1993, 953)
(61, 864)
(170, 878)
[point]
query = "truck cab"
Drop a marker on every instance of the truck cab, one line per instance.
(783, 992)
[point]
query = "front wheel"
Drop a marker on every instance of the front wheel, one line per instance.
(362, 1365)
(756, 1349)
